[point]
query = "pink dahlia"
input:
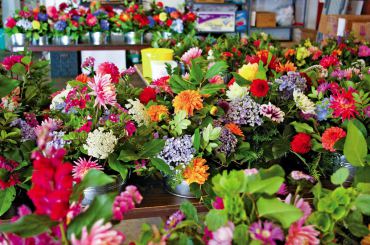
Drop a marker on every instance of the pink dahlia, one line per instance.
(190, 55)
(331, 136)
(82, 167)
(103, 89)
(126, 201)
(302, 205)
(299, 234)
(111, 69)
(91, 20)
(10, 61)
(99, 234)
(266, 233)
(343, 105)
(363, 51)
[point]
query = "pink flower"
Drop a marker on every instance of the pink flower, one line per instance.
(130, 128)
(216, 80)
(266, 233)
(250, 171)
(74, 210)
(302, 205)
(82, 167)
(162, 85)
(283, 190)
(10, 61)
(10, 22)
(111, 69)
(191, 54)
(218, 203)
(52, 12)
(363, 51)
(91, 20)
(299, 234)
(103, 89)
(299, 175)
(99, 234)
(126, 202)
(328, 61)
(85, 128)
(223, 235)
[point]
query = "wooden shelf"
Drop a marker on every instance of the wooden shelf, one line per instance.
(81, 47)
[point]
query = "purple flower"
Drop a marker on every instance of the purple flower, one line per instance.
(99, 12)
(174, 220)
(228, 142)
(323, 87)
(367, 111)
(290, 82)
(283, 190)
(299, 175)
(267, 233)
(223, 235)
(244, 112)
(60, 25)
(27, 131)
(88, 64)
(42, 17)
(104, 24)
(129, 71)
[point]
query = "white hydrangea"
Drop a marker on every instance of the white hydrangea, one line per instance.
(100, 144)
(304, 103)
(138, 112)
(59, 99)
(236, 92)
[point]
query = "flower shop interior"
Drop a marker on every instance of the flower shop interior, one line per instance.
(185, 122)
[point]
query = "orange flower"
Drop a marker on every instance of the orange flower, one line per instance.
(289, 66)
(157, 112)
(234, 129)
(196, 172)
(188, 101)
(82, 78)
(289, 52)
(337, 52)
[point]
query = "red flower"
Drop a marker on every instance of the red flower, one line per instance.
(162, 85)
(191, 17)
(8, 177)
(231, 82)
(301, 143)
(10, 22)
(147, 95)
(160, 4)
(111, 69)
(227, 54)
(257, 43)
(91, 20)
(156, 18)
(25, 14)
(52, 12)
(328, 61)
(51, 185)
(343, 104)
(169, 22)
(63, 6)
(9, 61)
(74, 23)
(331, 136)
(259, 88)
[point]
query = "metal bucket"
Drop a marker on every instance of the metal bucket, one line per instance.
(91, 192)
(133, 37)
(18, 39)
(180, 190)
(97, 38)
(117, 37)
(85, 38)
(43, 40)
(148, 37)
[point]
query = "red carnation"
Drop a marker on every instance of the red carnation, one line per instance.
(328, 61)
(191, 17)
(147, 95)
(10, 22)
(259, 88)
(301, 143)
(51, 185)
(111, 69)
(160, 4)
(63, 6)
(169, 22)
(257, 43)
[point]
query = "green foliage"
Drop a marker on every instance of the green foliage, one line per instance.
(161, 165)
(7, 85)
(6, 198)
(215, 219)
(179, 123)
(355, 155)
(340, 176)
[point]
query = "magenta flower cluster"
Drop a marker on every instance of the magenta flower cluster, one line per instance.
(126, 201)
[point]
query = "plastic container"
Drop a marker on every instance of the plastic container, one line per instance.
(152, 54)
(2, 39)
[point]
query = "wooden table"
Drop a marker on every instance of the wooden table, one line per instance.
(156, 201)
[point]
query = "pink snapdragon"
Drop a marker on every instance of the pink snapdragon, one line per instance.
(126, 201)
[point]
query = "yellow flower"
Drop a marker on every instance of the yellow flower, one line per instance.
(188, 101)
(249, 71)
(157, 112)
(196, 172)
(36, 25)
(163, 17)
(213, 110)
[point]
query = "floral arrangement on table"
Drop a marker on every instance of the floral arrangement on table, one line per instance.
(133, 19)
(21, 22)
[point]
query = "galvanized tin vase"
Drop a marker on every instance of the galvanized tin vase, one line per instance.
(117, 38)
(180, 190)
(43, 40)
(148, 37)
(85, 38)
(133, 37)
(97, 38)
(18, 39)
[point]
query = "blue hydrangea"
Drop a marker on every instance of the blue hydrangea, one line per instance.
(99, 12)
(244, 111)
(177, 26)
(151, 21)
(290, 82)
(60, 25)
(322, 109)
(27, 132)
(178, 151)
(228, 142)
(170, 9)
(104, 24)
(42, 17)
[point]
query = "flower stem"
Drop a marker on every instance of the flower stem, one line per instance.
(63, 233)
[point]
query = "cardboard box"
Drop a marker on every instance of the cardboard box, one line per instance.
(308, 34)
(329, 23)
(216, 21)
(361, 30)
(209, 1)
(265, 19)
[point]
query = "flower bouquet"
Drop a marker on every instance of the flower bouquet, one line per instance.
(18, 25)
(40, 27)
(97, 24)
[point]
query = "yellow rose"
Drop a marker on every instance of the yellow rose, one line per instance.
(163, 17)
(249, 71)
(36, 25)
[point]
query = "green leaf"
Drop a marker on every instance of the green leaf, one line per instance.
(363, 203)
(92, 178)
(101, 208)
(26, 60)
(19, 69)
(6, 198)
(216, 69)
(161, 165)
(196, 73)
(212, 88)
(7, 85)
(152, 148)
(189, 210)
(196, 139)
(126, 155)
(355, 146)
(240, 236)
(178, 84)
(215, 219)
(116, 165)
(358, 229)
(275, 209)
(29, 225)
(302, 127)
(340, 176)
(274, 171)
(241, 81)
(269, 186)
(261, 73)
(321, 220)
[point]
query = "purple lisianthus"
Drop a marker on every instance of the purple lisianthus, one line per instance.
(290, 82)
(60, 25)
(42, 17)
(244, 111)
(104, 24)
(174, 220)
(267, 233)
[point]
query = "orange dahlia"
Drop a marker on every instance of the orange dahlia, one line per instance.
(196, 172)
(188, 101)
(157, 112)
(82, 78)
(289, 52)
(234, 129)
(331, 136)
(289, 66)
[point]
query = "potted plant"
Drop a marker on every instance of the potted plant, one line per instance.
(40, 27)
(134, 23)
(18, 25)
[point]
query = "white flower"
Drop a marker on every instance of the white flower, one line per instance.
(59, 99)
(273, 112)
(25, 24)
(304, 103)
(236, 92)
(100, 144)
(138, 112)
(210, 55)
